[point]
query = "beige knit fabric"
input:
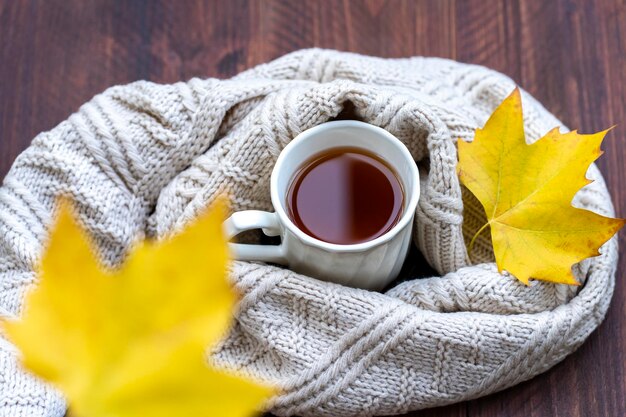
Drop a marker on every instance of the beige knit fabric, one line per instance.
(144, 159)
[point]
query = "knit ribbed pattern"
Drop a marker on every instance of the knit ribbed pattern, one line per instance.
(144, 159)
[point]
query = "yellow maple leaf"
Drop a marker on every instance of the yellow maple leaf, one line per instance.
(133, 342)
(527, 190)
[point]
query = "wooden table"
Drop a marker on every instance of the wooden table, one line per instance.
(571, 55)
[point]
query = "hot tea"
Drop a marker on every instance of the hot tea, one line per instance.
(345, 196)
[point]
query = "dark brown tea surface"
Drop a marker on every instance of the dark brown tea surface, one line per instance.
(345, 196)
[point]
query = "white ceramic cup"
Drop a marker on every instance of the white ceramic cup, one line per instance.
(370, 265)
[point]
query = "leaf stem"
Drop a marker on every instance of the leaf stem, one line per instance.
(471, 245)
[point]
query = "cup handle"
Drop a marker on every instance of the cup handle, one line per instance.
(255, 219)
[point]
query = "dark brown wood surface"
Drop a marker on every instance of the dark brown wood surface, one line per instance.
(571, 55)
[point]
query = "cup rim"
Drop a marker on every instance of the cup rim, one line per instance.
(279, 206)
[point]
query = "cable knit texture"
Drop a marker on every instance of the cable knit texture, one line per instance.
(143, 159)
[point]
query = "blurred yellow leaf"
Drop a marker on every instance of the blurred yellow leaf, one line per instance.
(527, 190)
(133, 343)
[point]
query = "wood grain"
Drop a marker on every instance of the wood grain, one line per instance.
(571, 55)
